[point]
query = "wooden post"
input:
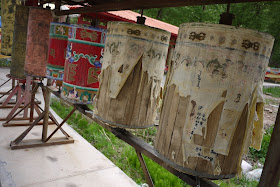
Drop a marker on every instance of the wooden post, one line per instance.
(47, 110)
(27, 93)
(271, 171)
(13, 83)
(32, 101)
(57, 4)
(145, 169)
(57, 7)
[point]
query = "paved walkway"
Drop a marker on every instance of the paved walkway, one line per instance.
(270, 85)
(72, 165)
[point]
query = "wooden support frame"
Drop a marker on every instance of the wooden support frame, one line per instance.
(140, 146)
(29, 103)
(20, 143)
(17, 90)
(271, 171)
(13, 84)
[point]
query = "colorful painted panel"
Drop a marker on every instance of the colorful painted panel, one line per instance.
(37, 42)
(57, 50)
(83, 63)
(8, 9)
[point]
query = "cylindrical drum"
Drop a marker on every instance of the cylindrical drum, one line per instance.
(83, 64)
(132, 71)
(37, 42)
(213, 100)
(19, 42)
(57, 50)
(8, 8)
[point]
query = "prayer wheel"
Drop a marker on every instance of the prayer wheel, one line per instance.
(37, 42)
(57, 50)
(83, 64)
(8, 8)
(132, 71)
(19, 42)
(213, 102)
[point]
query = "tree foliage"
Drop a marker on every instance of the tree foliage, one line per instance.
(261, 16)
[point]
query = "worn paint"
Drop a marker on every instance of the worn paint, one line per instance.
(57, 50)
(37, 42)
(214, 64)
(8, 8)
(84, 58)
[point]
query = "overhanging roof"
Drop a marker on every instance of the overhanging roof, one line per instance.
(112, 5)
(149, 21)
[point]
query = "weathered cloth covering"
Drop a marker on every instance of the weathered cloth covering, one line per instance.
(19, 42)
(215, 64)
(127, 43)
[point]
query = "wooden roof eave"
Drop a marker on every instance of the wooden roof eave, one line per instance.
(146, 4)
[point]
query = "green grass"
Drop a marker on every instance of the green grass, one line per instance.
(275, 92)
(124, 156)
(235, 182)
(5, 62)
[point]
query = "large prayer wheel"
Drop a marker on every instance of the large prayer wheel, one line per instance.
(132, 71)
(57, 50)
(83, 64)
(213, 102)
(19, 42)
(8, 8)
(37, 42)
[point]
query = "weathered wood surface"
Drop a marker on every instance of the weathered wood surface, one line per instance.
(20, 143)
(169, 138)
(38, 143)
(212, 99)
(47, 98)
(271, 170)
(129, 109)
(132, 70)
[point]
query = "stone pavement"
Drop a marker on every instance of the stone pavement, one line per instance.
(70, 165)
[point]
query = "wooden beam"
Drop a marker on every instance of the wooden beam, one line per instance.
(69, 2)
(46, 1)
(271, 170)
(20, 124)
(38, 143)
(146, 4)
(47, 111)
